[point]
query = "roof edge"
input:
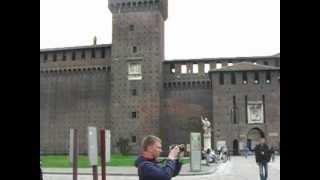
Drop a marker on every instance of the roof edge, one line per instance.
(259, 67)
(75, 47)
(222, 58)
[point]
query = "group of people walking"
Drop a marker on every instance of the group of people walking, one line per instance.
(212, 157)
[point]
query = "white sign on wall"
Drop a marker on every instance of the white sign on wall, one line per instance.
(255, 112)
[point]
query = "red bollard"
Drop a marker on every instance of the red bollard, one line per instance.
(103, 153)
(74, 152)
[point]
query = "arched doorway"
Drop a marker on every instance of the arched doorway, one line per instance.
(253, 137)
(235, 147)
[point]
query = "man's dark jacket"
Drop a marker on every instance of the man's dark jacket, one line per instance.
(262, 153)
(150, 169)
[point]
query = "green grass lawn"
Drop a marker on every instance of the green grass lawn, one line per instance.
(62, 161)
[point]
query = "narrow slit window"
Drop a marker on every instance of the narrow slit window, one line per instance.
(54, 57)
(278, 63)
(73, 55)
(234, 110)
(45, 58)
(83, 54)
(134, 49)
(256, 77)
(133, 139)
(164, 85)
(134, 92)
(64, 56)
(103, 53)
(133, 115)
(233, 78)
(246, 107)
(131, 27)
(244, 78)
(93, 53)
(208, 84)
(221, 79)
(268, 77)
(263, 106)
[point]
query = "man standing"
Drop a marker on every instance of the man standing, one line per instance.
(149, 167)
(262, 155)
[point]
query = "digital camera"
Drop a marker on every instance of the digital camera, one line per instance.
(181, 147)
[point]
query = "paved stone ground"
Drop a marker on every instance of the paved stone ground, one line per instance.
(129, 171)
(238, 168)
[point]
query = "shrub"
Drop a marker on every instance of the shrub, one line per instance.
(123, 145)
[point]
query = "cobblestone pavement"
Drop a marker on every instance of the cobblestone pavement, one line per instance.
(238, 168)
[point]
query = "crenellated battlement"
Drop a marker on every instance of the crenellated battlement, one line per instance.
(76, 59)
(197, 69)
(117, 6)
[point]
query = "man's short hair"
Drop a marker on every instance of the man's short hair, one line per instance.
(148, 141)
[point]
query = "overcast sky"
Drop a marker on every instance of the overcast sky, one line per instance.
(194, 28)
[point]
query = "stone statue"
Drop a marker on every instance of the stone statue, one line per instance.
(206, 125)
(95, 40)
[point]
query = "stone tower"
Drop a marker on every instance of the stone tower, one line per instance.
(137, 57)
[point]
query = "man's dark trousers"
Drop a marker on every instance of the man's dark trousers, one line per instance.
(263, 168)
